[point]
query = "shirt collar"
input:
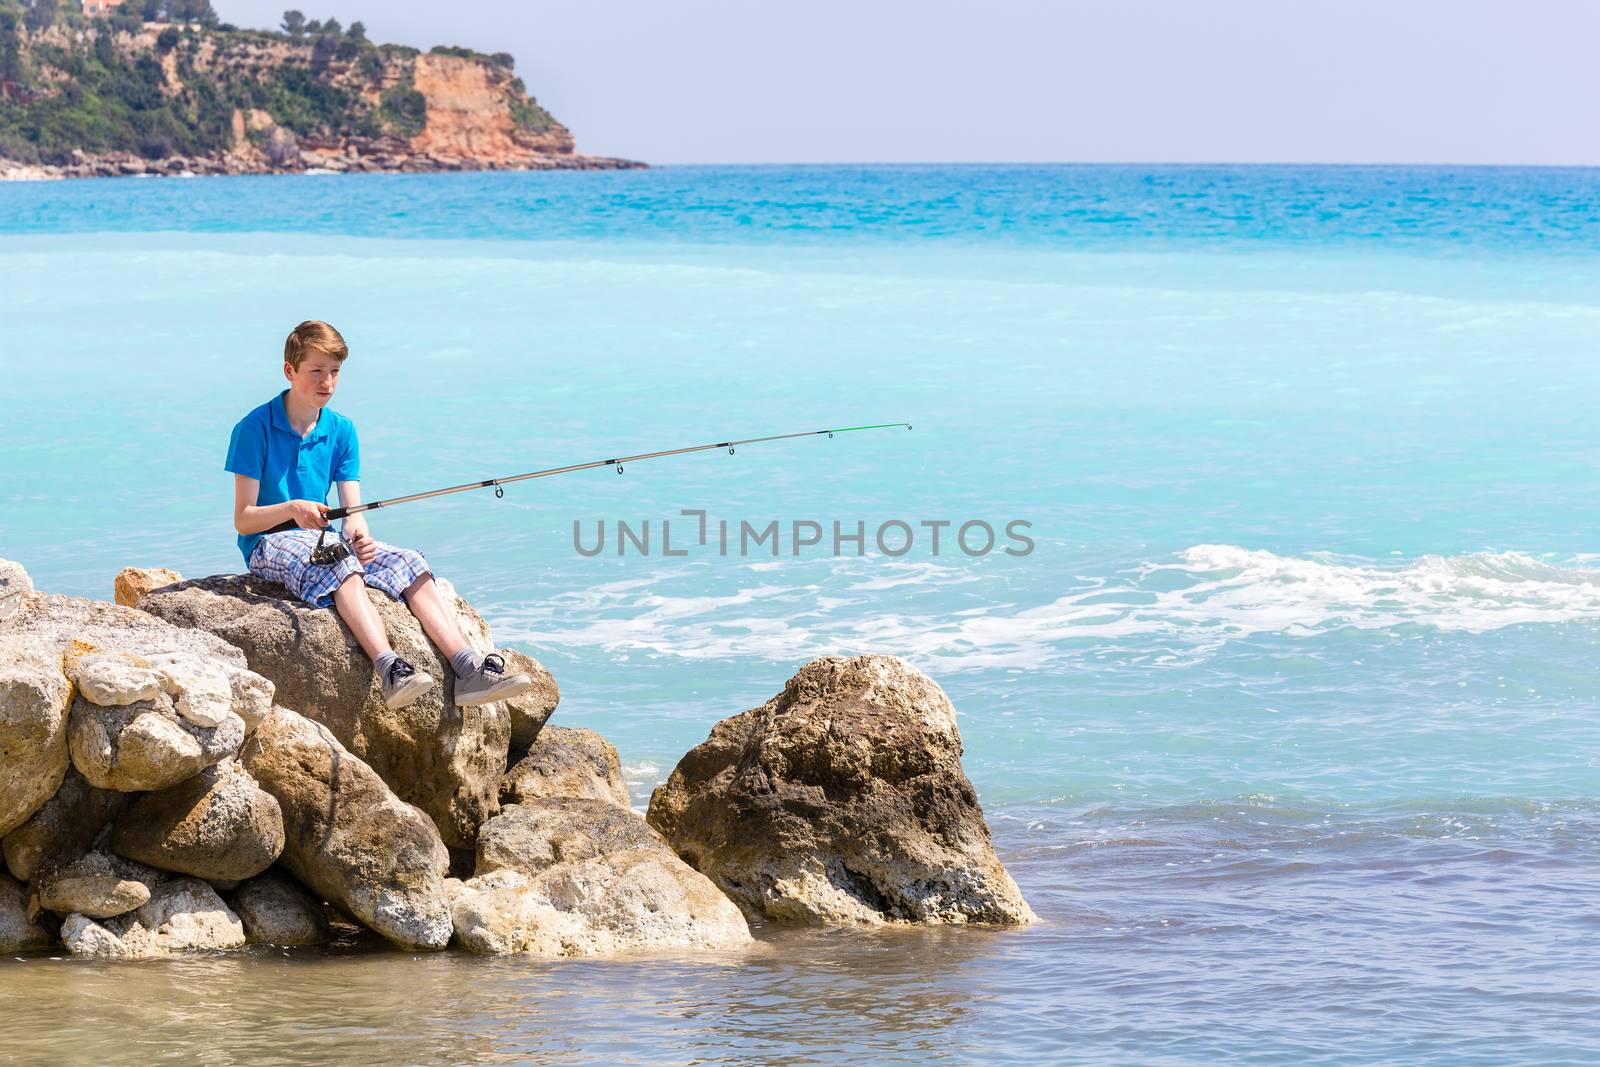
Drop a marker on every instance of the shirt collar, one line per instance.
(280, 420)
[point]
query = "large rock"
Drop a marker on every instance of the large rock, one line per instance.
(64, 828)
(96, 884)
(147, 745)
(132, 583)
(841, 800)
(182, 915)
(446, 760)
(578, 876)
(34, 696)
(19, 933)
(566, 762)
(218, 825)
(349, 838)
(531, 710)
(15, 585)
(641, 899)
(538, 834)
(276, 911)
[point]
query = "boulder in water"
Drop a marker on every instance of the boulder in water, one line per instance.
(276, 911)
(841, 800)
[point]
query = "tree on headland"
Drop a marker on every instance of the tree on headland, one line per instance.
(332, 27)
(294, 23)
(358, 31)
(199, 11)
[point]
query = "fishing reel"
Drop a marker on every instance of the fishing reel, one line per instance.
(326, 555)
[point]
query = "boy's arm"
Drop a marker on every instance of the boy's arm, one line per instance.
(250, 517)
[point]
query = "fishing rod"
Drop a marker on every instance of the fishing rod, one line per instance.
(324, 554)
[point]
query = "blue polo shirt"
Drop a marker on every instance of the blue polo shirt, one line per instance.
(265, 447)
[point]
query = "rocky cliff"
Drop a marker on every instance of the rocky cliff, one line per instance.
(102, 97)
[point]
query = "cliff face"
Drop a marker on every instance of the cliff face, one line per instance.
(87, 99)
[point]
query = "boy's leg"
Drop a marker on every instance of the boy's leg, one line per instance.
(286, 558)
(438, 622)
(350, 598)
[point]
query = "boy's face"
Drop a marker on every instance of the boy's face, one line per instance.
(313, 384)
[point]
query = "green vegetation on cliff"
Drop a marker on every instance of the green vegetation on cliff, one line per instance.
(159, 78)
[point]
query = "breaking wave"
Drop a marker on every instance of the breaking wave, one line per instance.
(1168, 611)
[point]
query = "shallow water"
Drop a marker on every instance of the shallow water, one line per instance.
(1287, 726)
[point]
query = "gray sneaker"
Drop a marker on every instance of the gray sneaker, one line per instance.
(490, 682)
(402, 684)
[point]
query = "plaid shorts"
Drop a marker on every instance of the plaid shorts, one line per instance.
(285, 558)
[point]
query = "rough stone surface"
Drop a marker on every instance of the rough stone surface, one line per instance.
(201, 691)
(841, 800)
(147, 745)
(64, 828)
(73, 624)
(252, 697)
(566, 762)
(33, 728)
(132, 583)
(276, 911)
(96, 884)
(15, 585)
(640, 899)
(446, 760)
(347, 837)
(538, 834)
(531, 710)
(113, 680)
(183, 915)
(18, 932)
(218, 825)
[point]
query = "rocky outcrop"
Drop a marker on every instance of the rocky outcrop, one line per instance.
(444, 759)
(566, 762)
(156, 771)
(841, 800)
(348, 837)
(325, 104)
(217, 825)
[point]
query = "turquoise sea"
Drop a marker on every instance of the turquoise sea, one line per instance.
(1288, 726)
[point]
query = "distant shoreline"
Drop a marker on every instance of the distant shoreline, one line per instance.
(129, 166)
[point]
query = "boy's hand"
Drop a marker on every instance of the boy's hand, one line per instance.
(361, 543)
(308, 514)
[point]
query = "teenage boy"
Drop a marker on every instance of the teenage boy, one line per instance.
(285, 455)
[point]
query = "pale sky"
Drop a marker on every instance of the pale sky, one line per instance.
(714, 81)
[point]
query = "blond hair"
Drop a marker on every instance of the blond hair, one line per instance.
(310, 336)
